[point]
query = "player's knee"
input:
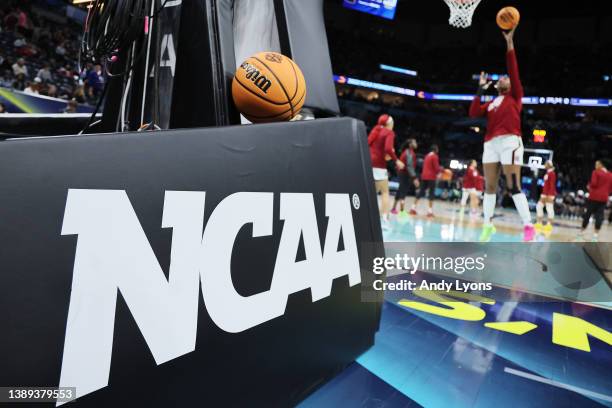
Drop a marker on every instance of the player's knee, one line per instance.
(513, 185)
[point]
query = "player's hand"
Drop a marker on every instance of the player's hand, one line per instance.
(387, 157)
(483, 82)
(483, 78)
(416, 183)
(400, 164)
(509, 36)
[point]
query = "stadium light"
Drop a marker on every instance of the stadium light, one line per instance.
(398, 70)
(527, 100)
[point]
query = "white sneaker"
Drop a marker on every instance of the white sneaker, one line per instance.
(579, 238)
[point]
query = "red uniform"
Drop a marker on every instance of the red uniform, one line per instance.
(431, 166)
(381, 141)
(470, 179)
(480, 183)
(550, 183)
(600, 185)
(504, 112)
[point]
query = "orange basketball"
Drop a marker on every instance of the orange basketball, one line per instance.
(508, 18)
(269, 87)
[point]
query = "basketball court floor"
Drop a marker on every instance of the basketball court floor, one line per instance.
(538, 348)
(450, 226)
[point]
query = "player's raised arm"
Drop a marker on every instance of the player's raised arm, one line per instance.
(516, 87)
(476, 108)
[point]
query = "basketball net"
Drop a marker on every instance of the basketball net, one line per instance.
(461, 12)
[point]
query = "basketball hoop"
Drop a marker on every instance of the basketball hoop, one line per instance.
(461, 12)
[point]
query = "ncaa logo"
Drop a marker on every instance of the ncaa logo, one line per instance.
(274, 58)
(114, 256)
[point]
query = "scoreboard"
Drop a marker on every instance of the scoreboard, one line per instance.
(381, 8)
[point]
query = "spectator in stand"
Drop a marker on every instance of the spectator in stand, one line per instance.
(10, 21)
(60, 50)
(600, 188)
(6, 64)
(20, 82)
(43, 43)
(33, 87)
(24, 25)
(50, 90)
(20, 41)
(45, 73)
(20, 67)
(5, 79)
(79, 93)
(86, 70)
(71, 107)
(95, 81)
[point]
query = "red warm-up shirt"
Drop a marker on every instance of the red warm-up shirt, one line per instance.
(600, 185)
(480, 183)
(504, 112)
(550, 183)
(381, 141)
(431, 166)
(470, 178)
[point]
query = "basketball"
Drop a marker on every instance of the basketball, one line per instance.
(508, 18)
(269, 87)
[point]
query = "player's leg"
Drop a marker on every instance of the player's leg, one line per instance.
(586, 217)
(396, 200)
(598, 214)
(512, 159)
(491, 175)
(378, 188)
(539, 213)
(474, 202)
(431, 187)
(550, 212)
(420, 193)
(383, 187)
(513, 179)
(465, 194)
(402, 191)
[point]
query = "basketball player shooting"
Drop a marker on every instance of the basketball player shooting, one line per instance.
(503, 146)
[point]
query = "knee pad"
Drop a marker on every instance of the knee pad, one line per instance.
(540, 209)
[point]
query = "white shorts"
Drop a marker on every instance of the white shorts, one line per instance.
(380, 174)
(507, 149)
(470, 190)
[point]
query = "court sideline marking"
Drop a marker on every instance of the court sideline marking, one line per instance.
(587, 393)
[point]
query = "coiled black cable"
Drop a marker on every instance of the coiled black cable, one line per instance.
(112, 26)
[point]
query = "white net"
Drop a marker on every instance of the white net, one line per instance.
(461, 12)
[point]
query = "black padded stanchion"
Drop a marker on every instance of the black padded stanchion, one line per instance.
(199, 267)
